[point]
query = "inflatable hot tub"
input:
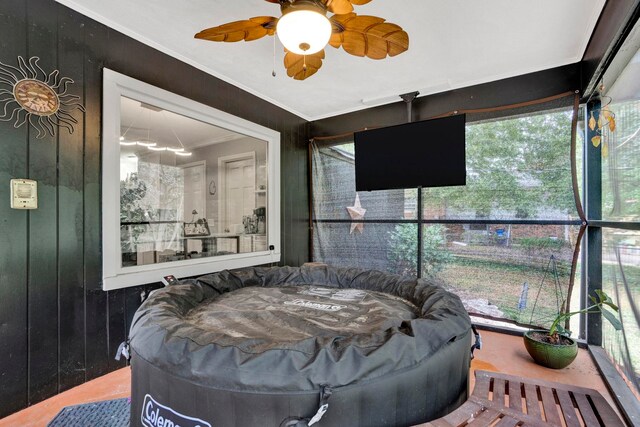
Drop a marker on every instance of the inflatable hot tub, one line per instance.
(301, 346)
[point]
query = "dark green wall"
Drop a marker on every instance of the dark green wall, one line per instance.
(57, 327)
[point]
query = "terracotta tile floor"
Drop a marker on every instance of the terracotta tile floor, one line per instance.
(111, 386)
(500, 352)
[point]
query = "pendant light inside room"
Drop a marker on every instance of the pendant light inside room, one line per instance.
(178, 150)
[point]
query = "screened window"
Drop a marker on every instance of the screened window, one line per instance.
(504, 243)
(621, 281)
(618, 228)
(621, 151)
(517, 168)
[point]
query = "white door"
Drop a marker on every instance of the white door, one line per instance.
(240, 193)
(195, 178)
(195, 181)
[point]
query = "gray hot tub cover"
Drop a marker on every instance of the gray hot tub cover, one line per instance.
(174, 331)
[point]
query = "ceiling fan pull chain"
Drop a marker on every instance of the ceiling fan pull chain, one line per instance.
(273, 73)
(304, 63)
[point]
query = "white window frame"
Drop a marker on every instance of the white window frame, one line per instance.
(114, 276)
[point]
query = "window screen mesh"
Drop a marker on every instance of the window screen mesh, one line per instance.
(621, 164)
(621, 281)
(378, 247)
(620, 172)
(504, 243)
(334, 188)
(517, 168)
(512, 271)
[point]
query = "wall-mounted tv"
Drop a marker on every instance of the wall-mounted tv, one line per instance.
(429, 153)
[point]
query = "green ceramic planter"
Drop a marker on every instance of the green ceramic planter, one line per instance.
(550, 355)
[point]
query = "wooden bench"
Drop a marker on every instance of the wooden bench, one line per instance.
(507, 401)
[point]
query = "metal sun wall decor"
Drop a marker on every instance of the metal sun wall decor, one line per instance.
(43, 98)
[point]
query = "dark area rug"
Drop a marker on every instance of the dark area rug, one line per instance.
(106, 413)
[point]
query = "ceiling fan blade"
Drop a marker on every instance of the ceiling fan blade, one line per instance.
(368, 36)
(278, 1)
(294, 64)
(247, 30)
(339, 7)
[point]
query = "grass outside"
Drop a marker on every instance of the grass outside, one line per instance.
(501, 284)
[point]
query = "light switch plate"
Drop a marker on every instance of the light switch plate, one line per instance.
(24, 194)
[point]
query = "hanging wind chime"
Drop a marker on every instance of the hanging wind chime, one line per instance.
(606, 119)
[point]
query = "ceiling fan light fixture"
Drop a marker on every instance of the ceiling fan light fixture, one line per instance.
(304, 32)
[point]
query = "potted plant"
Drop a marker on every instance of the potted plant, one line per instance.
(554, 348)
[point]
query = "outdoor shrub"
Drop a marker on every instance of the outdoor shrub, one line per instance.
(404, 246)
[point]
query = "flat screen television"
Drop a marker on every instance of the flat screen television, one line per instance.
(429, 153)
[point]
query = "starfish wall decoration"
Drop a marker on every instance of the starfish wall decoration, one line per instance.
(356, 212)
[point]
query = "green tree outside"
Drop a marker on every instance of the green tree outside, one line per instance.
(519, 165)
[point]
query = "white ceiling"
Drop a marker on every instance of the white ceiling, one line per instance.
(453, 44)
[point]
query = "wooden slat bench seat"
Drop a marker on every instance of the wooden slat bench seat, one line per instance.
(508, 401)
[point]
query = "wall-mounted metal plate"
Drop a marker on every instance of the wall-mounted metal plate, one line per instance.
(24, 194)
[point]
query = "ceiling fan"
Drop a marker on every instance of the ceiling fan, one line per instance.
(304, 29)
